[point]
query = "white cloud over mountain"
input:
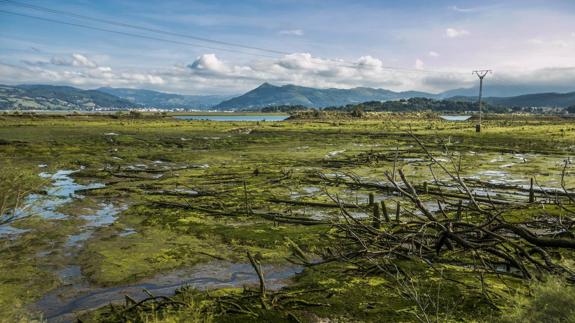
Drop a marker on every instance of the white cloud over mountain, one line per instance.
(455, 33)
(208, 72)
(345, 45)
(291, 32)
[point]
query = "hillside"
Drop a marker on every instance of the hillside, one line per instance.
(418, 105)
(270, 95)
(155, 99)
(505, 90)
(49, 97)
(562, 100)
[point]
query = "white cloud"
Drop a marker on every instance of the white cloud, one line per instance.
(369, 62)
(81, 60)
(209, 63)
(291, 32)
(302, 61)
(551, 43)
(75, 69)
(75, 59)
(459, 9)
(419, 64)
(454, 33)
(210, 74)
(433, 54)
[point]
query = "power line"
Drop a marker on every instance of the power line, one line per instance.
(154, 30)
(131, 34)
(339, 63)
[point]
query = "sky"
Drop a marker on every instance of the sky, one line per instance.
(398, 45)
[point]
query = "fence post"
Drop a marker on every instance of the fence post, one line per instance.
(531, 192)
(376, 217)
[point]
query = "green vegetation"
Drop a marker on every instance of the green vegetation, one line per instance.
(48, 97)
(421, 104)
(550, 301)
(193, 193)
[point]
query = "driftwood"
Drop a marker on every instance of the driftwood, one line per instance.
(313, 204)
(422, 189)
(276, 217)
(553, 192)
(481, 235)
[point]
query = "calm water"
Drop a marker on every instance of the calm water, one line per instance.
(234, 118)
(455, 118)
(60, 304)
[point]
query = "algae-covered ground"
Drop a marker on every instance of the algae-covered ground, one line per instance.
(132, 200)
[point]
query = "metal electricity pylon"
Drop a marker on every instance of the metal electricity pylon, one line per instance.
(481, 74)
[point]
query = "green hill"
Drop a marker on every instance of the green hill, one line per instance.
(270, 95)
(161, 100)
(50, 97)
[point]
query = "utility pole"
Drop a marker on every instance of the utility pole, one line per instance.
(481, 74)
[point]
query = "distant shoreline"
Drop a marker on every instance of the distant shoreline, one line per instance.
(169, 113)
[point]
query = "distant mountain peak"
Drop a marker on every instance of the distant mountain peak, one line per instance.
(162, 100)
(266, 85)
(289, 94)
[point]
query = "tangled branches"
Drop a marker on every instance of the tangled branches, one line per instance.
(471, 233)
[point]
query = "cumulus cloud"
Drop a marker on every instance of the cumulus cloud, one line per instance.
(75, 59)
(419, 64)
(75, 69)
(210, 74)
(550, 43)
(433, 54)
(302, 61)
(291, 32)
(209, 63)
(81, 60)
(455, 33)
(369, 62)
(460, 9)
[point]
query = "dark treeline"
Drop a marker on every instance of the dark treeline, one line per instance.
(285, 108)
(403, 105)
(419, 104)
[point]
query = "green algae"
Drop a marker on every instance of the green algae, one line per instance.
(273, 160)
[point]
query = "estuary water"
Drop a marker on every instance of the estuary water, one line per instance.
(234, 117)
(455, 118)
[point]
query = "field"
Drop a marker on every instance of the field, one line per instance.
(110, 205)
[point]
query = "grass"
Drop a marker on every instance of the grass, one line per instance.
(232, 161)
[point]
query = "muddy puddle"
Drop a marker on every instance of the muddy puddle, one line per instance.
(76, 294)
(50, 204)
(61, 191)
(61, 305)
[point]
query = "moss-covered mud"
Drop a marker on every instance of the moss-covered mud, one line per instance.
(179, 194)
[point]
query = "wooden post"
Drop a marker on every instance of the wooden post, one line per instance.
(258, 268)
(397, 211)
(385, 214)
(459, 210)
(425, 189)
(371, 199)
(246, 203)
(376, 223)
(531, 192)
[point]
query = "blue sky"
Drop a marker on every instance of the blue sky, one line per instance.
(433, 44)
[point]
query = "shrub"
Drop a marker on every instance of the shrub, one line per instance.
(552, 301)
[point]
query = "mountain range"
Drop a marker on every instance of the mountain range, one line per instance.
(270, 95)
(50, 97)
(155, 99)
(528, 100)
